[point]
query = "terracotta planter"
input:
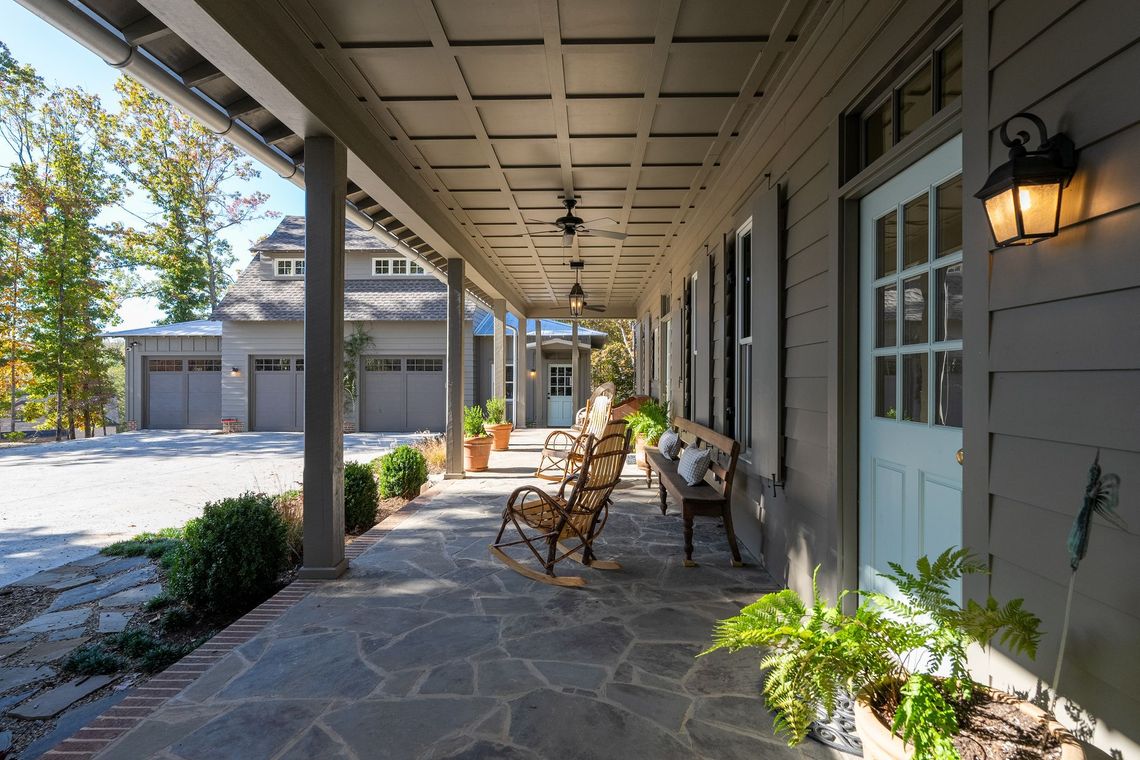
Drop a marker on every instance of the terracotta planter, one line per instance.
(639, 447)
(501, 433)
(880, 744)
(476, 452)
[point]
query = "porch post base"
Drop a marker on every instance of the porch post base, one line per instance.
(454, 475)
(307, 573)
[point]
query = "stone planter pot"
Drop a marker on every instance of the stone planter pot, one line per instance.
(501, 434)
(476, 453)
(639, 447)
(880, 744)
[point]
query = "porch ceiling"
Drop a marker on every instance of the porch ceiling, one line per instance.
(495, 111)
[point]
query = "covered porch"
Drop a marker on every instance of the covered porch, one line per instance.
(429, 648)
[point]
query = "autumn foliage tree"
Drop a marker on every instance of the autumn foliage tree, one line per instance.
(614, 362)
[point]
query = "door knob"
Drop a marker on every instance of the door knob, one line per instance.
(960, 456)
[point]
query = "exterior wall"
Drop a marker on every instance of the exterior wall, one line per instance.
(1063, 368)
(242, 340)
(159, 346)
(357, 264)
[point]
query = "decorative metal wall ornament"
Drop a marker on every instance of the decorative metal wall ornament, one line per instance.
(838, 729)
(1022, 197)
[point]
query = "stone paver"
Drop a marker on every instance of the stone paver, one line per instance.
(429, 648)
(132, 596)
(55, 621)
(21, 675)
(113, 622)
(55, 701)
(64, 501)
(50, 651)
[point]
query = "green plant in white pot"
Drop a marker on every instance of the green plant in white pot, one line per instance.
(905, 659)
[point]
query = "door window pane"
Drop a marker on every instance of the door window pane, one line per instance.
(885, 377)
(886, 245)
(916, 101)
(948, 303)
(914, 310)
(165, 365)
(878, 132)
(948, 403)
(382, 364)
(950, 59)
(916, 242)
(204, 365)
(745, 284)
(272, 365)
(915, 384)
(886, 309)
(950, 217)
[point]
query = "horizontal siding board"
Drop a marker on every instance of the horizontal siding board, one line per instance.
(809, 393)
(1013, 23)
(807, 230)
(807, 328)
(806, 361)
(1092, 408)
(808, 426)
(1089, 258)
(811, 196)
(1038, 68)
(806, 263)
(806, 296)
(1107, 178)
(1093, 332)
(803, 485)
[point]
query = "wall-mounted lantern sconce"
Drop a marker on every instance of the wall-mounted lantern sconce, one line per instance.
(235, 371)
(1023, 195)
(132, 344)
(533, 374)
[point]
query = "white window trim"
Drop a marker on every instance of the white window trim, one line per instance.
(294, 265)
(409, 264)
(743, 416)
(693, 314)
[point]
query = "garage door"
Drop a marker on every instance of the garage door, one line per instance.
(278, 393)
(183, 392)
(402, 394)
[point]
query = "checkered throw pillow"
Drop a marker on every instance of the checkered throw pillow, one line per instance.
(669, 444)
(694, 464)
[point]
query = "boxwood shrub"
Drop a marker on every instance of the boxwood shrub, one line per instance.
(231, 555)
(360, 497)
(401, 472)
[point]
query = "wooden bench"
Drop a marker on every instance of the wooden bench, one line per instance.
(713, 497)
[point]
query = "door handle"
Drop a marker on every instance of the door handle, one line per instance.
(960, 456)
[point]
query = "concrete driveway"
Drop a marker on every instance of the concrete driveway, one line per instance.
(63, 501)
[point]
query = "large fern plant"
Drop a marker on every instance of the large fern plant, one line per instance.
(908, 653)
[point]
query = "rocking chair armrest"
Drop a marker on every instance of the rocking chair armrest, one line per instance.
(553, 441)
(522, 491)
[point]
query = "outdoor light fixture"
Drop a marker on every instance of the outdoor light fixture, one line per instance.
(577, 300)
(1023, 195)
(235, 371)
(533, 374)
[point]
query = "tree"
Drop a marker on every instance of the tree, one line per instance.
(186, 172)
(614, 362)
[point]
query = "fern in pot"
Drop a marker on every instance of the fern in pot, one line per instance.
(905, 658)
(647, 424)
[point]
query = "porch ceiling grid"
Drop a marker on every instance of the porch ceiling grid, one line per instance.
(441, 44)
(659, 57)
(342, 61)
(779, 41)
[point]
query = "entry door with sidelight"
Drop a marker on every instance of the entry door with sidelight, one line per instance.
(910, 390)
(559, 398)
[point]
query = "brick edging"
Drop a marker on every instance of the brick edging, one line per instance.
(142, 701)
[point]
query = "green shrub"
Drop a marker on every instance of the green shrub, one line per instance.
(163, 655)
(473, 422)
(158, 602)
(15, 436)
(93, 661)
(291, 506)
(401, 472)
(176, 618)
(496, 411)
(133, 642)
(232, 555)
(154, 545)
(649, 421)
(361, 497)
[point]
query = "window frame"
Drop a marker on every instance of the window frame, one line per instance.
(296, 267)
(411, 268)
(742, 369)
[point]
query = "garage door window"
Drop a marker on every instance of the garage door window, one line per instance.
(204, 365)
(165, 365)
(272, 365)
(379, 364)
(299, 365)
(425, 365)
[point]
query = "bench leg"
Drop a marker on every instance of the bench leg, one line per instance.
(661, 494)
(728, 529)
(688, 519)
(648, 478)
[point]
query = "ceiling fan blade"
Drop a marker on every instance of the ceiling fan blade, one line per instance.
(600, 219)
(599, 309)
(527, 234)
(604, 233)
(544, 224)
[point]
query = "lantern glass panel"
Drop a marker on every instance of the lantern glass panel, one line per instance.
(1002, 215)
(1039, 208)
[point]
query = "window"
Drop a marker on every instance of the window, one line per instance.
(912, 100)
(272, 365)
(290, 267)
(425, 365)
(164, 365)
(299, 365)
(395, 267)
(693, 321)
(382, 364)
(204, 365)
(743, 368)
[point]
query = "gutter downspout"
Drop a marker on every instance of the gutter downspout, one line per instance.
(100, 39)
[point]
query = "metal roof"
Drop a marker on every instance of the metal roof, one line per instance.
(195, 328)
(485, 325)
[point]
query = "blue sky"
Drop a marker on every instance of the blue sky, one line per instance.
(60, 60)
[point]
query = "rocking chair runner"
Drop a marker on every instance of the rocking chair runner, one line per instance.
(558, 527)
(563, 451)
(605, 389)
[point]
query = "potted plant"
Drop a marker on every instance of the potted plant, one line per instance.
(647, 423)
(476, 442)
(497, 424)
(904, 656)
(354, 347)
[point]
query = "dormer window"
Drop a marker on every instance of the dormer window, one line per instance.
(395, 267)
(290, 267)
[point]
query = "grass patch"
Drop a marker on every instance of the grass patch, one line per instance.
(153, 545)
(93, 660)
(156, 603)
(176, 618)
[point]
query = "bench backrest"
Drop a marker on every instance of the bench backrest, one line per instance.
(722, 468)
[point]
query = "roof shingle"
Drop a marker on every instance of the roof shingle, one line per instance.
(290, 236)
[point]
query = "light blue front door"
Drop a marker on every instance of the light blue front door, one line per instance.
(559, 398)
(910, 368)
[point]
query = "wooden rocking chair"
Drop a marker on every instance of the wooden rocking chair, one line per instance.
(558, 527)
(563, 451)
(605, 389)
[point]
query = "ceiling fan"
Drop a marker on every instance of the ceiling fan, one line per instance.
(571, 225)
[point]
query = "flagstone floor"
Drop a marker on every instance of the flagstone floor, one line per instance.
(428, 648)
